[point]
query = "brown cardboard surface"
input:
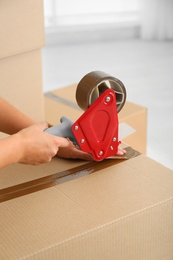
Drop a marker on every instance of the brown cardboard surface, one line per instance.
(54, 179)
(21, 26)
(62, 102)
(122, 212)
(135, 116)
(21, 38)
(19, 173)
(21, 83)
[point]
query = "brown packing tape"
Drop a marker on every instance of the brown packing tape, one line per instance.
(62, 100)
(63, 176)
(93, 84)
(87, 86)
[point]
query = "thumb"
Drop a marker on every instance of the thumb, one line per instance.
(61, 141)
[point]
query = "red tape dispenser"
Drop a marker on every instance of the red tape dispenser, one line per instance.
(101, 96)
(96, 131)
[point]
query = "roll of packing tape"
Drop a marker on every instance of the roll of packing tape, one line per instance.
(93, 84)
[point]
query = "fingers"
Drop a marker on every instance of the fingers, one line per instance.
(38, 146)
(78, 154)
(121, 151)
(71, 152)
(41, 146)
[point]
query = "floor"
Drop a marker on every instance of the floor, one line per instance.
(145, 68)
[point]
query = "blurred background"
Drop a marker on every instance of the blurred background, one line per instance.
(128, 39)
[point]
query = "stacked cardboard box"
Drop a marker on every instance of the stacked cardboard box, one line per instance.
(21, 40)
(62, 102)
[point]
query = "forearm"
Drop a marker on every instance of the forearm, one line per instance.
(11, 119)
(10, 151)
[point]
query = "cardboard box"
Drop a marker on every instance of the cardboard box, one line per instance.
(21, 83)
(114, 209)
(22, 37)
(21, 26)
(135, 116)
(62, 102)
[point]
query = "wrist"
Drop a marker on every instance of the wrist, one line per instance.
(11, 150)
(18, 147)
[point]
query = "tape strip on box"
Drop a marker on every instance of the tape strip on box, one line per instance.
(63, 176)
(62, 100)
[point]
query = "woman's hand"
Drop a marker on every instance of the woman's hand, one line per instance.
(72, 152)
(38, 146)
(33, 146)
(30, 146)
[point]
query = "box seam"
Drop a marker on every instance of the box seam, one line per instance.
(21, 53)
